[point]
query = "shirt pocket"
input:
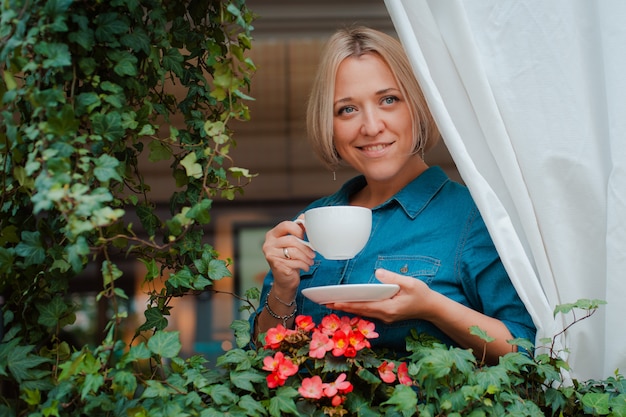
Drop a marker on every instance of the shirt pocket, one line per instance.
(417, 266)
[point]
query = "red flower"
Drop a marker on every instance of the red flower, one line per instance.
(403, 374)
(305, 323)
(281, 368)
(385, 370)
(275, 336)
(340, 343)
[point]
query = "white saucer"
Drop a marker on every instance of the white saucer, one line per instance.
(350, 293)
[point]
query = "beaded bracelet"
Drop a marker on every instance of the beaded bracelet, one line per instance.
(278, 317)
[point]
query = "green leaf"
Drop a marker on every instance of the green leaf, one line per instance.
(57, 54)
(110, 272)
(22, 363)
(172, 61)
(106, 168)
(404, 397)
(218, 270)
(154, 319)
(242, 332)
(109, 126)
(159, 151)
(192, 168)
(52, 313)
(126, 63)
(200, 212)
(283, 402)
(109, 25)
(597, 402)
(246, 379)
(165, 344)
(148, 219)
(31, 248)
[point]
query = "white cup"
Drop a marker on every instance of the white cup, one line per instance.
(337, 232)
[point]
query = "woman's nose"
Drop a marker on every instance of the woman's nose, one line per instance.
(372, 123)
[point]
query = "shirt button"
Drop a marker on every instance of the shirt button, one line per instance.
(404, 269)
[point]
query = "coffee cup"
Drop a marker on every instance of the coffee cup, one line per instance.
(337, 232)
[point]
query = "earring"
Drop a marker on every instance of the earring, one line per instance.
(334, 176)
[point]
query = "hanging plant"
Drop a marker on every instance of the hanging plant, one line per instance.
(89, 90)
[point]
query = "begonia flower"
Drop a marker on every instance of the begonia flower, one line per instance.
(385, 370)
(320, 344)
(311, 387)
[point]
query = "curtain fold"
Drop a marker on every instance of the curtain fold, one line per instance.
(528, 96)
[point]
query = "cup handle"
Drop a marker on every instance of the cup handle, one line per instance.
(304, 242)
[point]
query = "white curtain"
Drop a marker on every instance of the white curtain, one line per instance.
(530, 97)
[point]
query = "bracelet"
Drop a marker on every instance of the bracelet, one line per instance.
(276, 316)
(281, 301)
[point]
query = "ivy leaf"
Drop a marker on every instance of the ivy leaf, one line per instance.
(106, 168)
(110, 272)
(31, 248)
(597, 402)
(138, 41)
(148, 219)
(192, 168)
(109, 25)
(159, 151)
(218, 270)
(109, 126)
(58, 54)
(63, 123)
(154, 320)
(6, 260)
(200, 212)
(22, 363)
(126, 63)
(172, 61)
(52, 313)
(181, 279)
(165, 344)
(152, 269)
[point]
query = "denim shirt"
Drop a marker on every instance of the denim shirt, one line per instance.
(430, 230)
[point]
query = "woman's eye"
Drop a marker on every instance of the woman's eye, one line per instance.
(345, 110)
(390, 100)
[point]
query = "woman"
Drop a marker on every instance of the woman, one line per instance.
(367, 110)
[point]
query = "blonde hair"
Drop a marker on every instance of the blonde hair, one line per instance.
(354, 42)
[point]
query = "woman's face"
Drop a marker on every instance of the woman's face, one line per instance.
(371, 121)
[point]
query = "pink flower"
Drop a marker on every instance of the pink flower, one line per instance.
(320, 344)
(340, 385)
(385, 370)
(403, 374)
(311, 387)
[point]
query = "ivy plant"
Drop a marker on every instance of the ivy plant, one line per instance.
(92, 91)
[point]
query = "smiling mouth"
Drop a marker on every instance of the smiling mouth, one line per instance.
(374, 148)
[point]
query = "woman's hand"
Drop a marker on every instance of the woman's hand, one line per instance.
(415, 300)
(286, 255)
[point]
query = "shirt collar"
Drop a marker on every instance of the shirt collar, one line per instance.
(413, 198)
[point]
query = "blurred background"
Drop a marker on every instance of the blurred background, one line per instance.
(288, 37)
